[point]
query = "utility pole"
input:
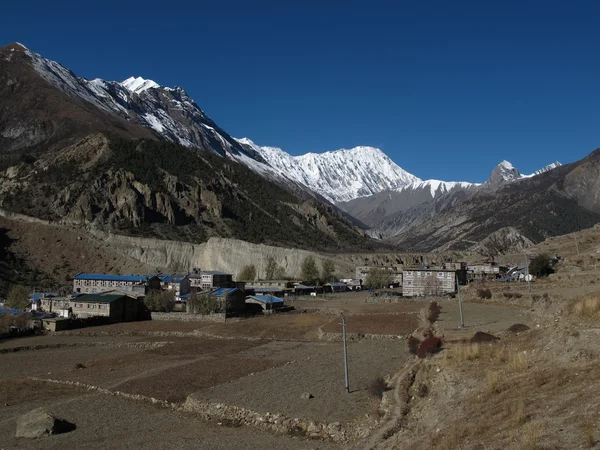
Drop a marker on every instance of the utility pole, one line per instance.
(460, 309)
(347, 383)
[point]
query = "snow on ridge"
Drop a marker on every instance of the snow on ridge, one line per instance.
(139, 84)
(338, 175)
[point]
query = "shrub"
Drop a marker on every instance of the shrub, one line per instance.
(518, 328)
(160, 301)
(378, 278)
(17, 298)
(248, 273)
(413, 345)
(481, 336)
(540, 266)
(423, 390)
(508, 295)
(377, 387)
(518, 295)
(429, 346)
(484, 293)
(205, 304)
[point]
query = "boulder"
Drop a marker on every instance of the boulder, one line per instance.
(306, 396)
(41, 422)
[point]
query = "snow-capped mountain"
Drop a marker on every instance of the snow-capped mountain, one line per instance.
(505, 172)
(170, 112)
(339, 175)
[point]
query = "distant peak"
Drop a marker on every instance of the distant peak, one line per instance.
(506, 164)
(138, 85)
(18, 44)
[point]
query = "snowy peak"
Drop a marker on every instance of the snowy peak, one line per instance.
(139, 85)
(504, 172)
(547, 168)
(339, 175)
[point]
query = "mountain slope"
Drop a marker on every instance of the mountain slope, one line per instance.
(161, 189)
(340, 175)
(557, 201)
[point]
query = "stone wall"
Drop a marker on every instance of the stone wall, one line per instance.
(185, 317)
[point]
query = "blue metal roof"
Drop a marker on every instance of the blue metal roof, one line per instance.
(10, 312)
(172, 278)
(266, 298)
(110, 277)
(39, 295)
(224, 291)
(336, 284)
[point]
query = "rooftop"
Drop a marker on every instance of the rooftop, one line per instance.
(266, 299)
(224, 291)
(110, 277)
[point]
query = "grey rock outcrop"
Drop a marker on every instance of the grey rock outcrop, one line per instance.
(39, 423)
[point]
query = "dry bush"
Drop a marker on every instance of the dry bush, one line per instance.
(433, 312)
(464, 352)
(429, 346)
(589, 433)
(20, 321)
(492, 382)
(413, 345)
(508, 295)
(518, 295)
(517, 361)
(588, 306)
(377, 387)
(423, 390)
(484, 293)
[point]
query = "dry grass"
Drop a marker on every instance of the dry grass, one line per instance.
(518, 413)
(588, 306)
(493, 379)
(463, 352)
(530, 437)
(517, 361)
(589, 432)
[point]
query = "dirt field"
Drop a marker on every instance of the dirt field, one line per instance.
(262, 364)
(389, 324)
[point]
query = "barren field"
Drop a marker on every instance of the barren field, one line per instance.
(389, 324)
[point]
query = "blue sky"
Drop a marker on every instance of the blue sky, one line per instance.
(446, 89)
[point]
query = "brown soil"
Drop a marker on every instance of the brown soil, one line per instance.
(62, 252)
(175, 384)
(398, 324)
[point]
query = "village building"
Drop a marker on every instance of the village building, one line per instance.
(90, 283)
(178, 283)
(335, 286)
(114, 306)
(267, 303)
(424, 281)
(210, 279)
(234, 299)
(482, 272)
(352, 284)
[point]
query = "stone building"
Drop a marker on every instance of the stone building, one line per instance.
(90, 283)
(428, 281)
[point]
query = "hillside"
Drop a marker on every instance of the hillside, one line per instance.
(165, 190)
(555, 202)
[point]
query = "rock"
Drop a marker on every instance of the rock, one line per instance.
(41, 422)
(480, 336)
(306, 396)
